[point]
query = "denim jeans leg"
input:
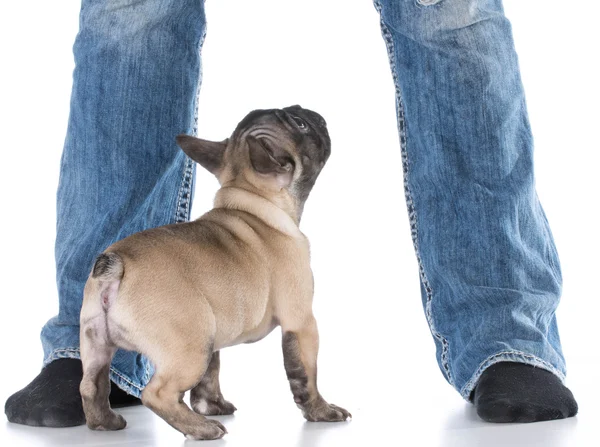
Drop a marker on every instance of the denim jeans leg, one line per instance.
(137, 73)
(490, 275)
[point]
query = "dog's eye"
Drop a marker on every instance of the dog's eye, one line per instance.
(299, 122)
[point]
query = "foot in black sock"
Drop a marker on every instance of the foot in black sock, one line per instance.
(516, 392)
(52, 399)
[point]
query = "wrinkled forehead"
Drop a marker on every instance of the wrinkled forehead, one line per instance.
(262, 116)
(314, 142)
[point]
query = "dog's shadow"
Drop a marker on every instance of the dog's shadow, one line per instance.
(315, 434)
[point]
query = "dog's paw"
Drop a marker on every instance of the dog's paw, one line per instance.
(112, 422)
(322, 411)
(209, 407)
(209, 429)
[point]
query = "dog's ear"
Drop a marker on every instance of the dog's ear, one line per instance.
(207, 153)
(269, 160)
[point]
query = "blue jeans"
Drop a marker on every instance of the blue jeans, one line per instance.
(490, 275)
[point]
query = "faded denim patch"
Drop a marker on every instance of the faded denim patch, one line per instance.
(428, 2)
(490, 274)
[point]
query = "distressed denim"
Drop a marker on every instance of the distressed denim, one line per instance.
(137, 73)
(489, 270)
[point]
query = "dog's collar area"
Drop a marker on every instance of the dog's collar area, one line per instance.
(235, 198)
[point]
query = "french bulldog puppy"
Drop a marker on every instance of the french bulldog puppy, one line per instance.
(180, 293)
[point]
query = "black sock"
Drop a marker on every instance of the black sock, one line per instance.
(52, 399)
(516, 392)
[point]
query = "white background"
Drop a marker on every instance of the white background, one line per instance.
(377, 356)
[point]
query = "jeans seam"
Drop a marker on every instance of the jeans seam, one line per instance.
(76, 353)
(184, 195)
(387, 37)
(510, 355)
(182, 213)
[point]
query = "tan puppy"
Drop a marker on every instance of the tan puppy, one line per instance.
(180, 293)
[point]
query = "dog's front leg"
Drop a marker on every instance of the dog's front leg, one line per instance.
(206, 397)
(300, 347)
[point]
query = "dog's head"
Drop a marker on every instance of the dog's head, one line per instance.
(273, 152)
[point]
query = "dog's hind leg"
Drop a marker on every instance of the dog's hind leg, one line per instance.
(95, 385)
(97, 352)
(164, 393)
(206, 397)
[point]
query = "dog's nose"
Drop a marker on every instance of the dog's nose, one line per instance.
(316, 118)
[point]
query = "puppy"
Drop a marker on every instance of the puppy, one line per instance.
(180, 293)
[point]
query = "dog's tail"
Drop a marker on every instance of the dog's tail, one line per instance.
(108, 267)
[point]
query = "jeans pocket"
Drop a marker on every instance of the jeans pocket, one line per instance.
(428, 2)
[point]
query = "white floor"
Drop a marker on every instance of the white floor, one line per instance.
(416, 419)
(282, 428)
(391, 404)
